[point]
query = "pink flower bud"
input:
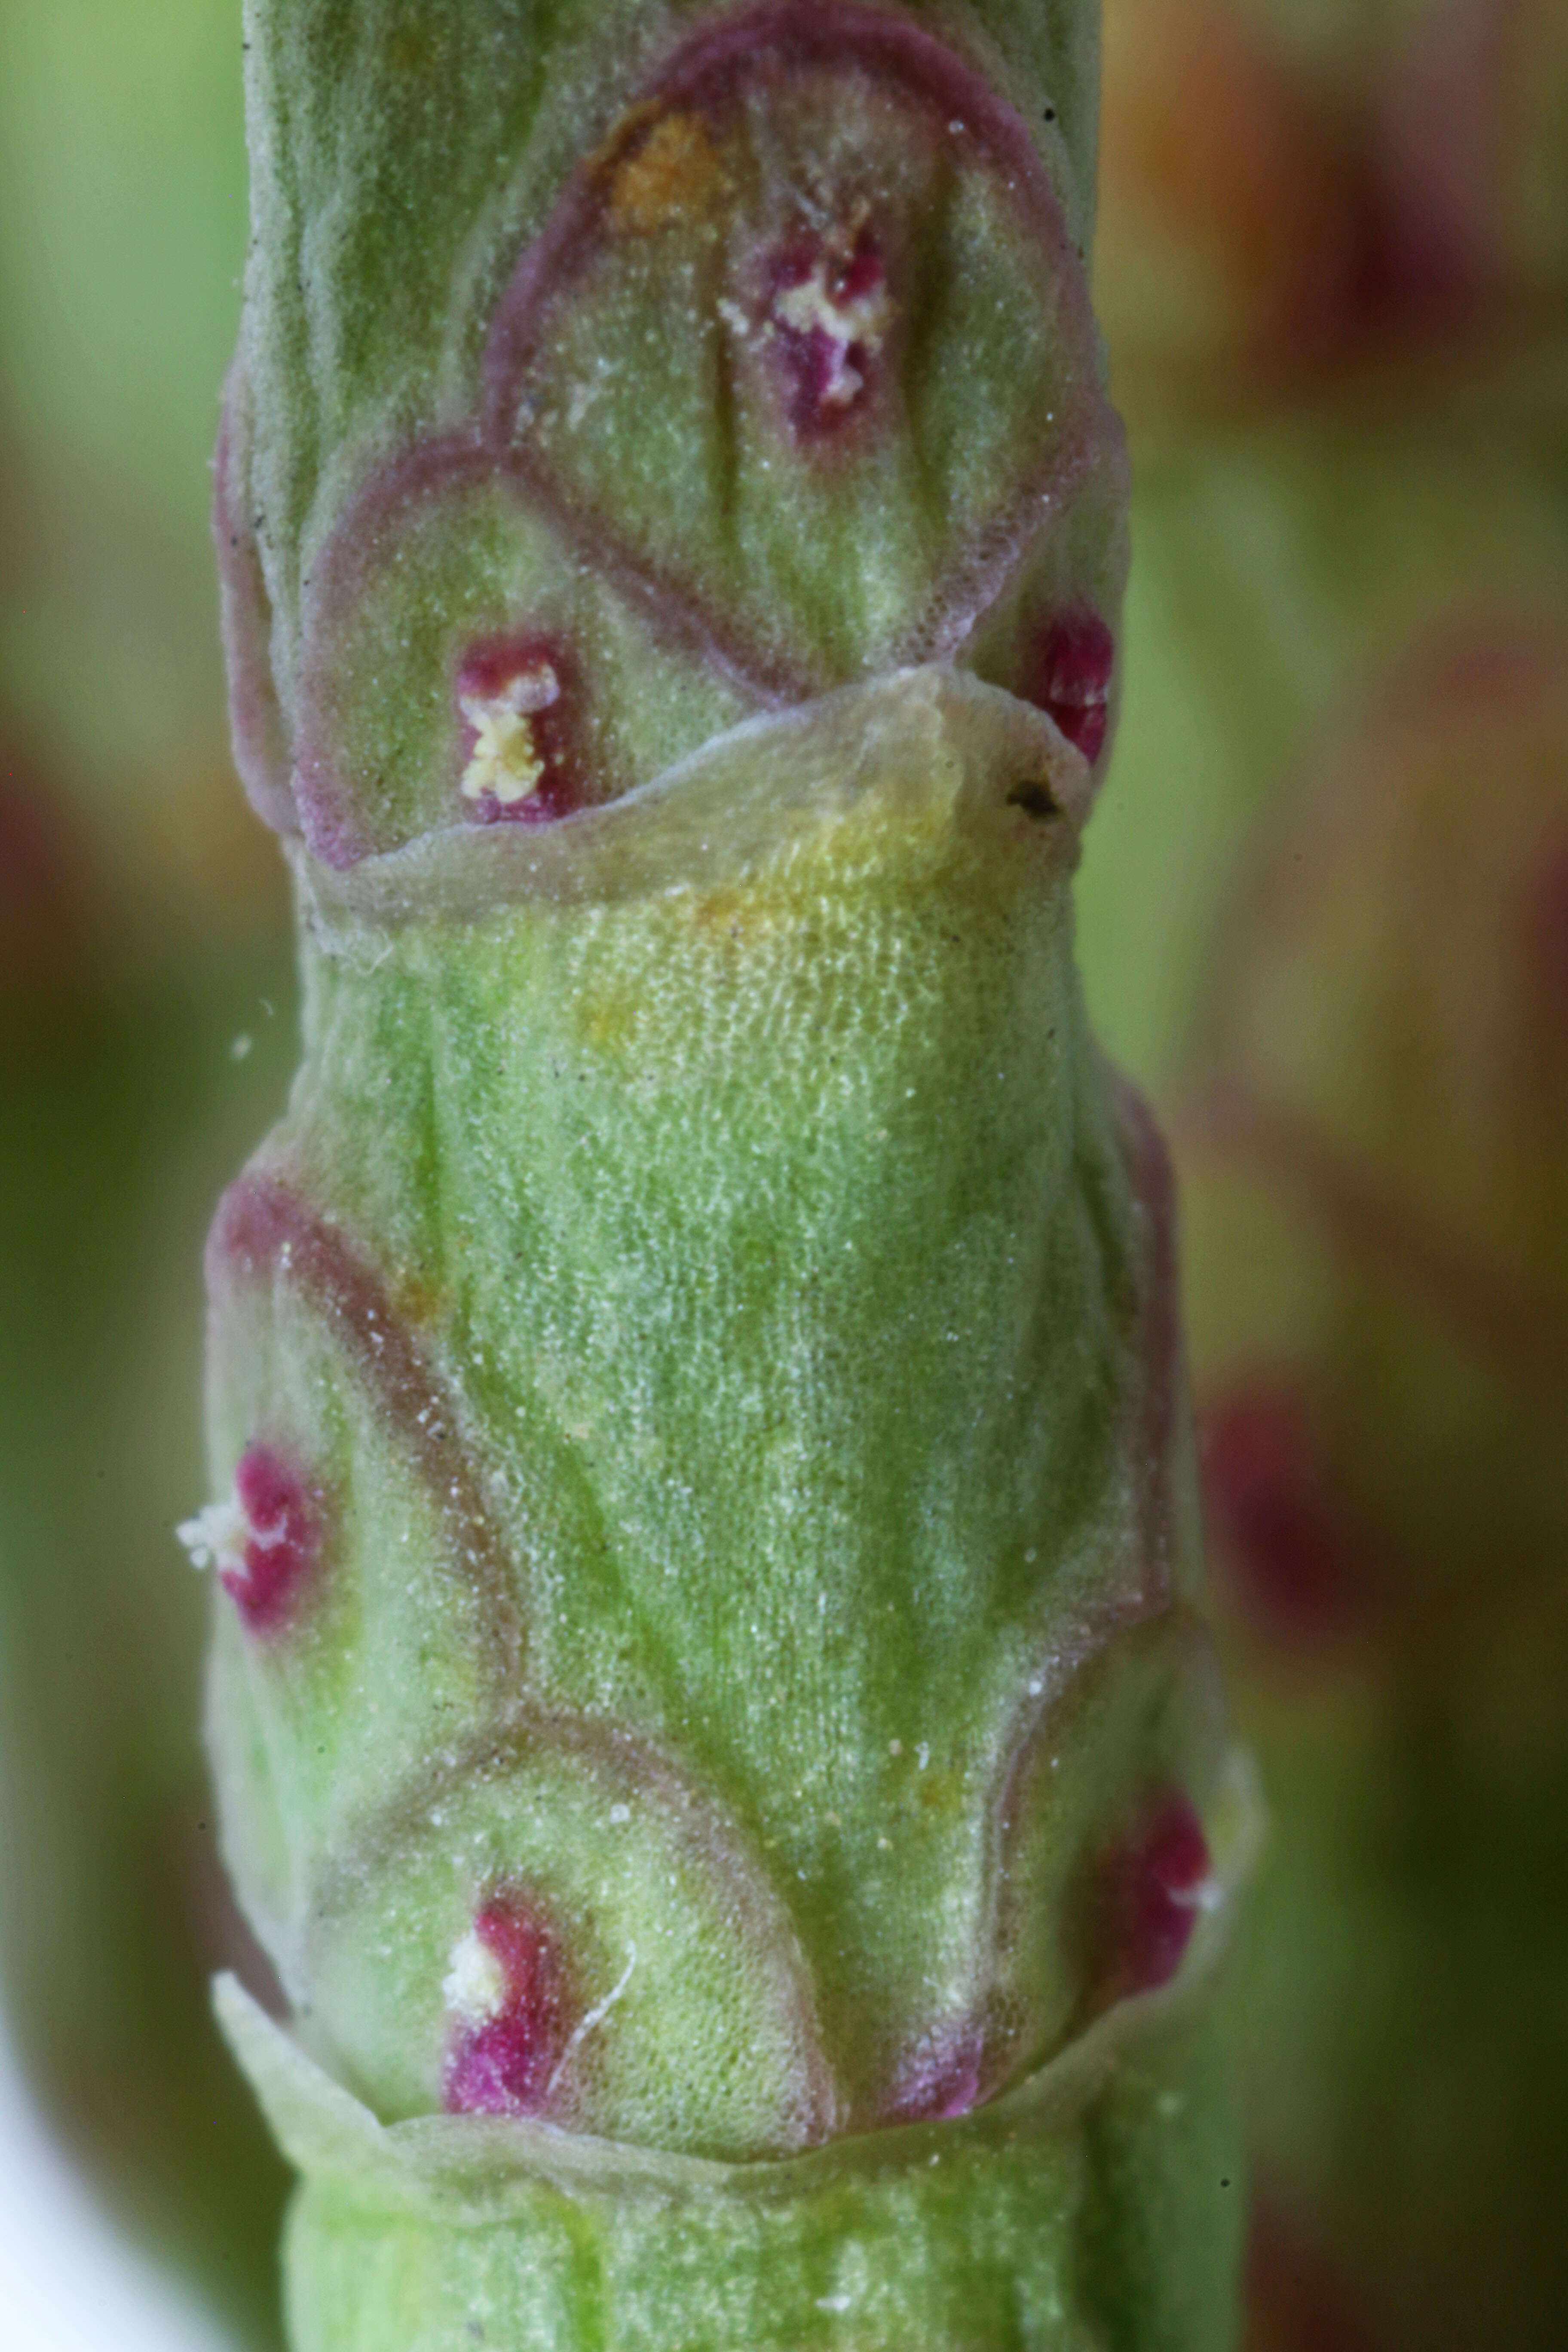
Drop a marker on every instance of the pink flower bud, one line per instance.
(507, 1998)
(1072, 680)
(1151, 1893)
(264, 1541)
(828, 312)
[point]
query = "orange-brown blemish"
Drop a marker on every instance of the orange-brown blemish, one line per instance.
(422, 1305)
(741, 916)
(675, 173)
(412, 54)
(607, 1018)
(940, 1792)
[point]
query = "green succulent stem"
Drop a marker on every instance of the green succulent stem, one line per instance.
(712, 1721)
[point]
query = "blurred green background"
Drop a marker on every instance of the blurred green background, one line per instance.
(1333, 270)
(146, 1037)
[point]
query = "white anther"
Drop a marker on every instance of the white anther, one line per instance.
(474, 1986)
(217, 1537)
(505, 761)
(596, 2016)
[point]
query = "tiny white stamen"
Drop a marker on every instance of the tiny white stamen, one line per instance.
(596, 2016)
(505, 761)
(217, 1537)
(474, 1986)
(813, 307)
(812, 303)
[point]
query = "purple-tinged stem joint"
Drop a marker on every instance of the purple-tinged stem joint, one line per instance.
(945, 2076)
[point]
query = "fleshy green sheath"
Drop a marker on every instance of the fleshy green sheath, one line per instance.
(711, 1717)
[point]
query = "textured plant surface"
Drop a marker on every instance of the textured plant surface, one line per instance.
(712, 1724)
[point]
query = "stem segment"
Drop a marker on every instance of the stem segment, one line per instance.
(712, 1722)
